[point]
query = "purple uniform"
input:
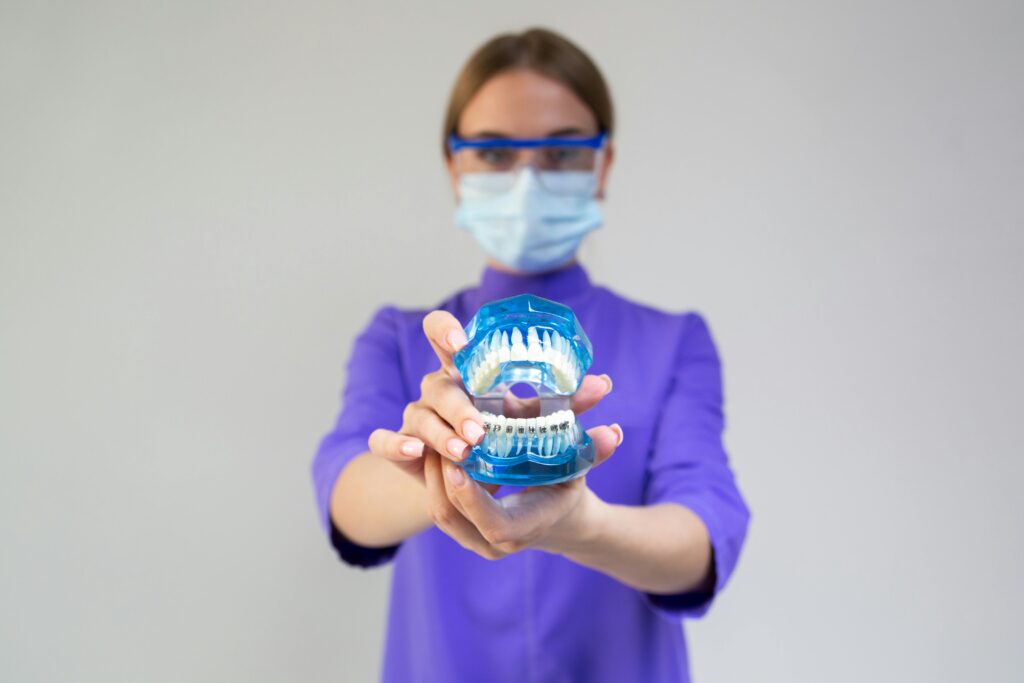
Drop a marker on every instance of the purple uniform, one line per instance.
(535, 616)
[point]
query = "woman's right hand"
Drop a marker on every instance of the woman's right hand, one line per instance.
(444, 418)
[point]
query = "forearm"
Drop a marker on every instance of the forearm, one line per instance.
(661, 548)
(375, 504)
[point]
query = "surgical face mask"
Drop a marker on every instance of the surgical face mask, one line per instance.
(533, 224)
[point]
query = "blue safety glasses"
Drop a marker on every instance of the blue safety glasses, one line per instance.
(474, 155)
(555, 159)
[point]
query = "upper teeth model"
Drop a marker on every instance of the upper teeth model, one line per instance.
(503, 345)
(534, 341)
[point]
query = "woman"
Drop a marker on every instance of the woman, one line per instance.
(582, 581)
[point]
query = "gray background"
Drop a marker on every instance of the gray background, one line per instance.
(201, 204)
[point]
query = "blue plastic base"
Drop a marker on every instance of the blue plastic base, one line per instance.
(529, 469)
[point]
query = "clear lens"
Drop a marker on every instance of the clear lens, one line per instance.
(562, 170)
(553, 158)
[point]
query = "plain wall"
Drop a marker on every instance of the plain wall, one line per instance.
(201, 203)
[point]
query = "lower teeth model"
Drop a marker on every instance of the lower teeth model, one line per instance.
(526, 340)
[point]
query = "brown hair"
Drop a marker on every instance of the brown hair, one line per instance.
(543, 51)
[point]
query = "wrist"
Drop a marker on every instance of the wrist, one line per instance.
(582, 528)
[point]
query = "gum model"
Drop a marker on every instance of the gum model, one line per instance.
(526, 340)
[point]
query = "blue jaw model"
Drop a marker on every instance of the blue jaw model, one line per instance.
(529, 340)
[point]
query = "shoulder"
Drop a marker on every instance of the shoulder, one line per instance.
(408, 320)
(683, 324)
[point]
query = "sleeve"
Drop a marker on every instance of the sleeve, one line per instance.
(374, 396)
(689, 465)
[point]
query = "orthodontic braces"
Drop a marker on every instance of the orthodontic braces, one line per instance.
(546, 436)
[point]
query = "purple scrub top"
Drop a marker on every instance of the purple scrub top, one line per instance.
(536, 616)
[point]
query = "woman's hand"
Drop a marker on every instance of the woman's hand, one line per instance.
(444, 420)
(553, 517)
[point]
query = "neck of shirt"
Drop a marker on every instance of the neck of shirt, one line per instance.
(569, 285)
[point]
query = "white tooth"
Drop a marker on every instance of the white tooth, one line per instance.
(550, 354)
(557, 340)
(488, 442)
(513, 438)
(552, 446)
(517, 336)
(495, 434)
(547, 340)
(504, 348)
(534, 351)
(506, 441)
(518, 348)
(531, 433)
(521, 425)
(495, 341)
(509, 436)
(562, 377)
(542, 437)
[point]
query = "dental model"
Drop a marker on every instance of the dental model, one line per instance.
(526, 340)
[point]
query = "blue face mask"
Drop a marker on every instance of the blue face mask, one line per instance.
(537, 224)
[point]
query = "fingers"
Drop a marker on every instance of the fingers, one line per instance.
(486, 514)
(452, 404)
(421, 420)
(606, 440)
(394, 446)
(445, 515)
(446, 336)
(592, 389)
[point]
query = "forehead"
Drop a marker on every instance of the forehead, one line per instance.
(523, 103)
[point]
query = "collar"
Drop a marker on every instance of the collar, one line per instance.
(569, 285)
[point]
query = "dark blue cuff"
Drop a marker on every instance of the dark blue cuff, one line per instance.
(360, 555)
(691, 604)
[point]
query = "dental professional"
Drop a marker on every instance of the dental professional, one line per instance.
(588, 580)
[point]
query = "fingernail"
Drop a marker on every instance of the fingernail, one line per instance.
(472, 431)
(621, 434)
(414, 448)
(455, 475)
(456, 447)
(608, 379)
(456, 339)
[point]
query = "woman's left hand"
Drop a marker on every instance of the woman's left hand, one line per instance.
(551, 517)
